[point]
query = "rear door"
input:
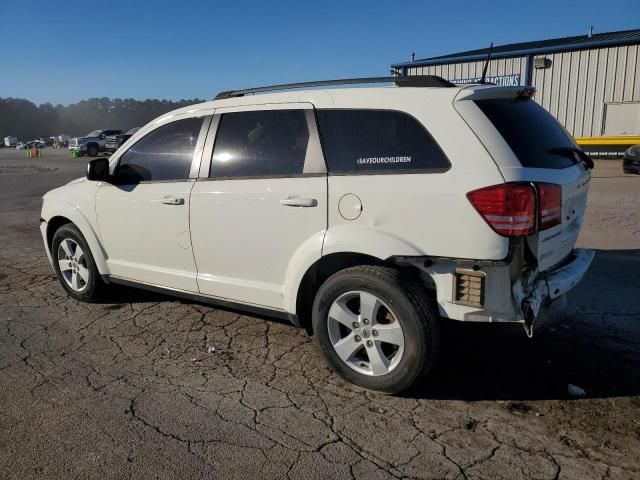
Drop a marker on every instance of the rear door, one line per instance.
(260, 203)
(529, 145)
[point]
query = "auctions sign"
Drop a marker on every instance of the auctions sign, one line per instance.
(500, 80)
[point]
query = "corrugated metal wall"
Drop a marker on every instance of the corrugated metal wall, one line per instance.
(458, 71)
(575, 88)
(578, 85)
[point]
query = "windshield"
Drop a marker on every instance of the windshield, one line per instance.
(95, 133)
(133, 130)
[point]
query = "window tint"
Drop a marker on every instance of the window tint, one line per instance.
(377, 140)
(262, 143)
(163, 154)
(530, 131)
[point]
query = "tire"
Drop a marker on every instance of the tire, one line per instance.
(93, 150)
(76, 270)
(389, 352)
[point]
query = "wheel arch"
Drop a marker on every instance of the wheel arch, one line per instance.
(326, 266)
(342, 246)
(67, 214)
(317, 273)
(53, 225)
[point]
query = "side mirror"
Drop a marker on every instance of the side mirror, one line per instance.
(98, 170)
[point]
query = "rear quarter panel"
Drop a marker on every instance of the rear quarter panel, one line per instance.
(419, 213)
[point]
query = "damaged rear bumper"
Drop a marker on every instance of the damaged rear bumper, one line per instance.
(537, 289)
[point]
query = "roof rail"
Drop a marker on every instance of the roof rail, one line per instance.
(408, 81)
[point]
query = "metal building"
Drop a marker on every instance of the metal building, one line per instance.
(590, 83)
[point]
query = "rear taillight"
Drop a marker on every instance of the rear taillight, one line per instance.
(510, 208)
(550, 205)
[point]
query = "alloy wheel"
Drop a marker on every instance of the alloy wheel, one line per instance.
(365, 333)
(73, 265)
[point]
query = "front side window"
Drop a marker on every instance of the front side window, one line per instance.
(163, 154)
(260, 144)
(377, 141)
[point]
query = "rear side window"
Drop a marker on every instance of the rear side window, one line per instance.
(260, 144)
(163, 154)
(531, 132)
(377, 141)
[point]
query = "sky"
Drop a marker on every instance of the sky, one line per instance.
(66, 51)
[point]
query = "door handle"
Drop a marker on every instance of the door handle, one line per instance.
(171, 200)
(299, 202)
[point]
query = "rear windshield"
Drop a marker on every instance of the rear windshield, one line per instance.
(531, 132)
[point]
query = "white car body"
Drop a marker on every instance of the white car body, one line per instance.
(240, 241)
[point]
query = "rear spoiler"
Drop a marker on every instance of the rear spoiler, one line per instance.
(483, 92)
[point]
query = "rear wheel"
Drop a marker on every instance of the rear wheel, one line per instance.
(377, 327)
(93, 150)
(74, 264)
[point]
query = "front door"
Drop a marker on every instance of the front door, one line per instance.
(143, 215)
(262, 204)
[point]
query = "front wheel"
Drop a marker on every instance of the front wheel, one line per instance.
(377, 327)
(74, 264)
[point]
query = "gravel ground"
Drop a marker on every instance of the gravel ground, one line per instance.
(127, 388)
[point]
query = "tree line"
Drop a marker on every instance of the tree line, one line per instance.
(25, 120)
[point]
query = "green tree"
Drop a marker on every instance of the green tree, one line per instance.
(25, 120)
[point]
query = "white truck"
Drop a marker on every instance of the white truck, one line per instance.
(10, 141)
(93, 143)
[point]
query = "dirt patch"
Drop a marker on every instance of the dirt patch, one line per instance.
(24, 169)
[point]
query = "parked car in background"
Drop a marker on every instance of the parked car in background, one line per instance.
(37, 143)
(10, 141)
(93, 143)
(363, 214)
(31, 144)
(631, 160)
(63, 140)
(47, 140)
(114, 141)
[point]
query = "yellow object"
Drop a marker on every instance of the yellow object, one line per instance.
(617, 140)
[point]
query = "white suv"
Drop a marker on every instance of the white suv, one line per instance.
(363, 214)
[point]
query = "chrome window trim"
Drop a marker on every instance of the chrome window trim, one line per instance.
(207, 152)
(197, 153)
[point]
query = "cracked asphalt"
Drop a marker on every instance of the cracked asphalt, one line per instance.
(129, 388)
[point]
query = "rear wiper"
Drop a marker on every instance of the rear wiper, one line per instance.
(570, 152)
